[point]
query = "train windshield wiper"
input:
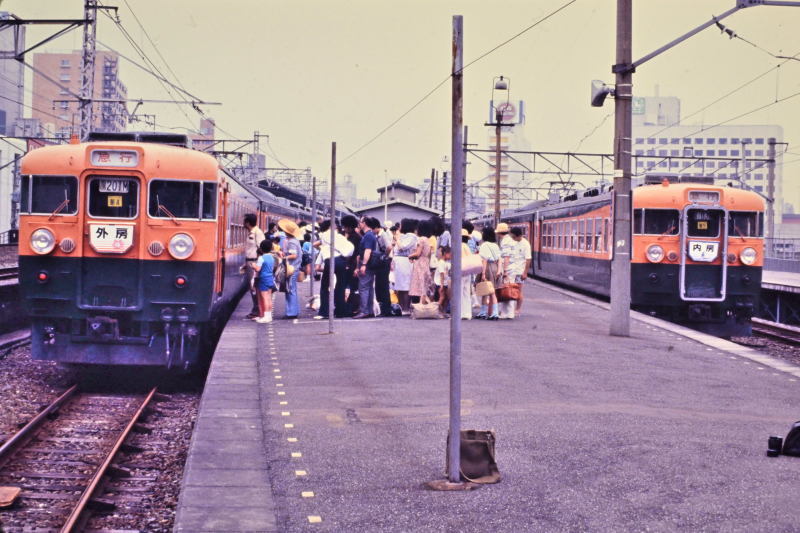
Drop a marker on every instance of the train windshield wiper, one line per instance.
(162, 208)
(60, 207)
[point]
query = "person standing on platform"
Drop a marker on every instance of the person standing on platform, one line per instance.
(492, 271)
(382, 294)
(343, 250)
(254, 238)
(420, 287)
(350, 229)
(467, 282)
(293, 251)
(520, 263)
(406, 244)
(366, 275)
(265, 281)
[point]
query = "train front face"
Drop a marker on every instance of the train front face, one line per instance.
(698, 255)
(118, 252)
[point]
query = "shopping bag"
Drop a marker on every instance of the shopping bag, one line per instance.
(484, 288)
(507, 292)
(422, 311)
(478, 463)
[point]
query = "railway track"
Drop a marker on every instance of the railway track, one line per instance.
(59, 466)
(775, 330)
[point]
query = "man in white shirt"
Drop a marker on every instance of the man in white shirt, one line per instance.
(343, 249)
(519, 261)
(254, 238)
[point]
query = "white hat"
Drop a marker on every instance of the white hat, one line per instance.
(387, 224)
(477, 236)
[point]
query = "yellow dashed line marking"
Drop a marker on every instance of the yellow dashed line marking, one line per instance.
(792, 379)
(278, 377)
(284, 403)
(281, 393)
(285, 413)
(279, 384)
(296, 455)
(307, 494)
(314, 519)
(760, 368)
(288, 426)
(300, 473)
(274, 358)
(292, 439)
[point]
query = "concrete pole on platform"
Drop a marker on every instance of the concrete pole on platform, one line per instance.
(313, 223)
(333, 237)
(770, 233)
(457, 155)
(621, 260)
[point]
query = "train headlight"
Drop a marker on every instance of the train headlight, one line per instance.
(748, 256)
(181, 246)
(655, 253)
(43, 241)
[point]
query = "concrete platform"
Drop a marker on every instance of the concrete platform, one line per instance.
(780, 281)
(664, 430)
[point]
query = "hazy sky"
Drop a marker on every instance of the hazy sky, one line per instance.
(308, 72)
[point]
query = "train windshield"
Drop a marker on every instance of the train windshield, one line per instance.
(113, 197)
(745, 224)
(182, 199)
(656, 221)
(49, 195)
(704, 222)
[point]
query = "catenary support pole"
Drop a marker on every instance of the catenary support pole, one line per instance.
(457, 156)
(333, 237)
(497, 130)
(313, 236)
(771, 190)
(621, 260)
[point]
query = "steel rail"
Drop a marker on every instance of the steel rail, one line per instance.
(776, 330)
(72, 520)
(11, 445)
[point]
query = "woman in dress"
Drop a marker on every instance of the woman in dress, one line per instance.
(492, 271)
(421, 269)
(405, 245)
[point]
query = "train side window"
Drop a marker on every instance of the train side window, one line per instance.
(49, 194)
(745, 224)
(598, 228)
(581, 234)
(573, 241)
(209, 199)
(661, 221)
(113, 197)
(605, 235)
(703, 222)
(559, 233)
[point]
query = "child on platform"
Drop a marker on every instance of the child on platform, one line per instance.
(442, 279)
(265, 266)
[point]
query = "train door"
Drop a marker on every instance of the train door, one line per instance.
(222, 236)
(110, 274)
(704, 240)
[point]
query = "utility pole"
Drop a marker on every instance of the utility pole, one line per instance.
(621, 260)
(444, 193)
(313, 224)
(770, 233)
(498, 119)
(15, 193)
(87, 66)
(333, 238)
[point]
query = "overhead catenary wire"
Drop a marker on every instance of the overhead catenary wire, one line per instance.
(445, 80)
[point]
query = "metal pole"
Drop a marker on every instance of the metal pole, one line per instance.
(771, 189)
(333, 237)
(15, 194)
(430, 188)
(497, 118)
(385, 196)
(313, 223)
(87, 67)
(621, 261)
(457, 151)
(444, 193)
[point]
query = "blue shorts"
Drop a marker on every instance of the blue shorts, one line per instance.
(265, 285)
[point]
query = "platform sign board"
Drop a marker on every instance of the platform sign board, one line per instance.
(111, 238)
(638, 105)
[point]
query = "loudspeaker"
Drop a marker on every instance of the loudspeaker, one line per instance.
(599, 92)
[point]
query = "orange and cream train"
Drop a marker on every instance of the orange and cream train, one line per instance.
(697, 250)
(130, 250)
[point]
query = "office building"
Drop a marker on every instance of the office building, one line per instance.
(12, 81)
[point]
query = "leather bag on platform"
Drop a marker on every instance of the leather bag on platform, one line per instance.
(484, 288)
(422, 311)
(478, 463)
(791, 444)
(508, 292)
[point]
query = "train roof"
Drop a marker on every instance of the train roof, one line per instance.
(157, 159)
(665, 194)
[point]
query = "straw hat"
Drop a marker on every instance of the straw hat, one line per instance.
(290, 227)
(501, 228)
(464, 232)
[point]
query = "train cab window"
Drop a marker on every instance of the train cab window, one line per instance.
(656, 221)
(703, 222)
(49, 195)
(113, 197)
(182, 199)
(745, 224)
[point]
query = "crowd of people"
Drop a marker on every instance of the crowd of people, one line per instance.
(384, 269)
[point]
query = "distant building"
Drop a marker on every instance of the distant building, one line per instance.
(402, 203)
(204, 140)
(12, 80)
(57, 109)
(399, 191)
(658, 134)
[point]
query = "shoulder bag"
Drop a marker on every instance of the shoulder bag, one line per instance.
(478, 463)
